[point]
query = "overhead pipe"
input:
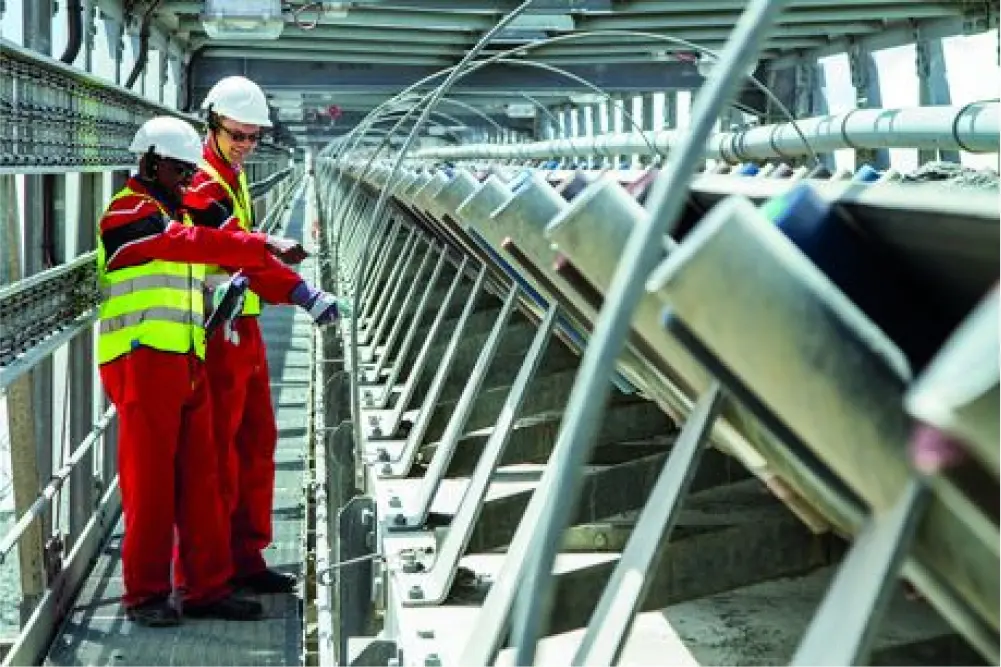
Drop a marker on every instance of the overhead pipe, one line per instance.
(973, 128)
(74, 31)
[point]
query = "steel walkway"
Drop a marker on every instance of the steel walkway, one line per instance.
(96, 631)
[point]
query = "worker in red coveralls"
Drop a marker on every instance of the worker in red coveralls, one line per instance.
(151, 348)
(246, 432)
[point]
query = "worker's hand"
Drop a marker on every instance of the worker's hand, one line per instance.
(322, 306)
(287, 250)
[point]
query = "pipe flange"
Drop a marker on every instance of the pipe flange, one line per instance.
(774, 147)
(844, 130)
(955, 127)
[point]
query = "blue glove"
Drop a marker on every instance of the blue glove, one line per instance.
(322, 306)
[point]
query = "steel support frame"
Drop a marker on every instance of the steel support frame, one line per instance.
(419, 313)
(890, 560)
(414, 517)
(380, 422)
(401, 315)
(433, 586)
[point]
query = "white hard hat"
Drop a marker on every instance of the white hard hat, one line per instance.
(239, 98)
(169, 137)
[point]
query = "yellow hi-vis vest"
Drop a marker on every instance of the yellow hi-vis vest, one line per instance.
(157, 304)
(243, 213)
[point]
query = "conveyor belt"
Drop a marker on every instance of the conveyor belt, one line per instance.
(450, 470)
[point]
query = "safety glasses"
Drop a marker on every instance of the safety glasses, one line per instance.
(183, 170)
(240, 137)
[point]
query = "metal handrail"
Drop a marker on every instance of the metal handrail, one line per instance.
(85, 316)
(49, 492)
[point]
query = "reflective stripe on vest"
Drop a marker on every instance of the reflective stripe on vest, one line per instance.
(151, 282)
(113, 324)
(243, 212)
(157, 304)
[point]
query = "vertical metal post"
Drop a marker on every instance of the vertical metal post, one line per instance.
(21, 427)
(119, 50)
(616, 122)
(817, 105)
(933, 86)
(89, 18)
(162, 83)
(39, 205)
(82, 376)
(595, 130)
(646, 122)
(865, 79)
(670, 119)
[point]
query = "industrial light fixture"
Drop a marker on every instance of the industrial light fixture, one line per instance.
(517, 110)
(243, 19)
(442, 130)
(587, 98)
(549, 22)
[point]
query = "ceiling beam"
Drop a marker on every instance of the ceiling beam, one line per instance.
(374, 18)
(631, 7)
(401, 50)
(712, 17)
(885, 39)
(372, 77)
(648, 47)
(319, 58)
(394, 35)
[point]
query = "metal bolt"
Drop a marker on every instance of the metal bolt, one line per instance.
(383, 455)
(394, 501)
(400, 520)
(415, 593)
(425, 633)
(600, 540)
(387, 469)
(432, 660)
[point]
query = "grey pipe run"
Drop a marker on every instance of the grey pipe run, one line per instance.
(973, 128)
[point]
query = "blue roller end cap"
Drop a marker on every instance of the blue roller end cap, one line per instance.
(519, 182)
(809, 222)
(866, 174)
(747, 169)
(800, 213)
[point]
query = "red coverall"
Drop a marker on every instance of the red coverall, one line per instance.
(166, 454)
(238, 375)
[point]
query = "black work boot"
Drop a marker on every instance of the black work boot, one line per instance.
(229, 608)
(154, 613)
(265, 581)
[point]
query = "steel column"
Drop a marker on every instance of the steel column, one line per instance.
(82, 376)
